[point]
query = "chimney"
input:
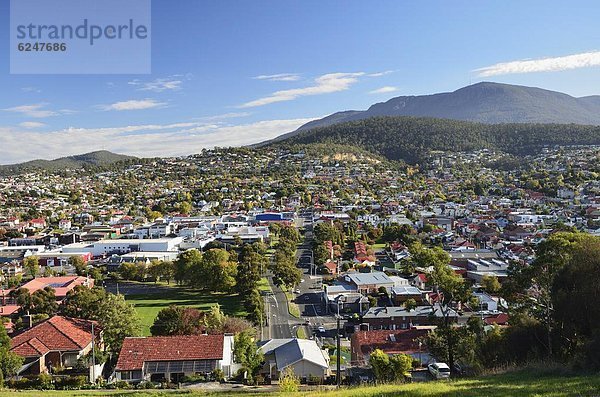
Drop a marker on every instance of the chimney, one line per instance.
(28, 321)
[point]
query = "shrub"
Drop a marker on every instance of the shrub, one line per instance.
(71, 382)
(121, 384)
(43, 382)
(146, 385)
(288, 381)
(218, 375)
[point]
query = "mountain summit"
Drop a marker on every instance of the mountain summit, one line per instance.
(485, 102)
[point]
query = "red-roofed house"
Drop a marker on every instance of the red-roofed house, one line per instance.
(363, 343)
(61, 285)
(57, 342)
(158, 358)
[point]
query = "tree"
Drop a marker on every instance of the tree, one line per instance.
(380, 364)
(118, 320)
(400, 366)
(214, 319)
(22, 297)
(215, 272)
(288, 381)
(32, 265)
(177, 320)
(248, 270)
(529, 287)
(247, 353)
(43, 301)
(491, 284)
(290, 233)
(128, 271)
(9, 361)
(79, 264)
(410, 304)
(254, 305)
(451, 289)
(184, 264)
(574, 293)
(83, 302)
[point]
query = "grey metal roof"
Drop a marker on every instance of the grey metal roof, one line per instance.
(290, 351)
(370, 278)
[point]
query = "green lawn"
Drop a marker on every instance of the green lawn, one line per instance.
(514, 384)
(148, 305)
(301, 333)
(263, 285)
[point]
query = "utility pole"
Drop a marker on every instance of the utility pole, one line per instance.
(338, 376)
(93, 356)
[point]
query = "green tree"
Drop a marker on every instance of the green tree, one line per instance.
(247, 353)
(288, 381)
(177, 320)
(410, 304)
(79, 264)
(529, 287)
(9, 361)
(118, 320)
(574, 293)
(452, 291)
(43, 301)
(128, 271)
(184, 265)
(83, 302)
(491, 284)
(32, 265)
(380, 364)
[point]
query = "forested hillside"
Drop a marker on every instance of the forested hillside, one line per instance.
(411, 138)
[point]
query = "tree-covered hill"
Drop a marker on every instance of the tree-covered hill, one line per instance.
(411, 138)
(98, 159)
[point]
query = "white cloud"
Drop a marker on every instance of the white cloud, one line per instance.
(379, 74)
(31, 124)
(279, 77)
(384, 90)
(576, 61)
(158, 85)
(36, 111)
(133, 105)
(175, 139)
(226, 116)
(31, 89)
(325, 84)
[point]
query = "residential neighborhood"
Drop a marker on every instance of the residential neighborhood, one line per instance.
(289, 260)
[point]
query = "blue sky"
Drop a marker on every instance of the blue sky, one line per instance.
(238, 72)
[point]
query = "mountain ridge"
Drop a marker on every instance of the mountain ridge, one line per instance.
(485, 102)
(98, 158)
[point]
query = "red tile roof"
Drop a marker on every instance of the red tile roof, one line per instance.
(136, 351)
(61, 285)
(55, 334)
(404, 341)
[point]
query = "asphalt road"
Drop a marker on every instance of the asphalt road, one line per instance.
(307, 295)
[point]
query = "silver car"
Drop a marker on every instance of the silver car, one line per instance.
(439, 370)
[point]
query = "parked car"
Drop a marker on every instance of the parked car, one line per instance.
(439, 370)
(321, 329)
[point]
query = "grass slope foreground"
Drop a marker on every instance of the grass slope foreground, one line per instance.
(522, 383)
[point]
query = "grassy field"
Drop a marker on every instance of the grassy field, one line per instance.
(515, 384)
(148, 305)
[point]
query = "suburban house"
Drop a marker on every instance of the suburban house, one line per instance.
(60, 285)
(408, 341)
(157, 358)
(303, 356)
(366, 283)
(401, 294)
(394, 318)
(56, 342)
